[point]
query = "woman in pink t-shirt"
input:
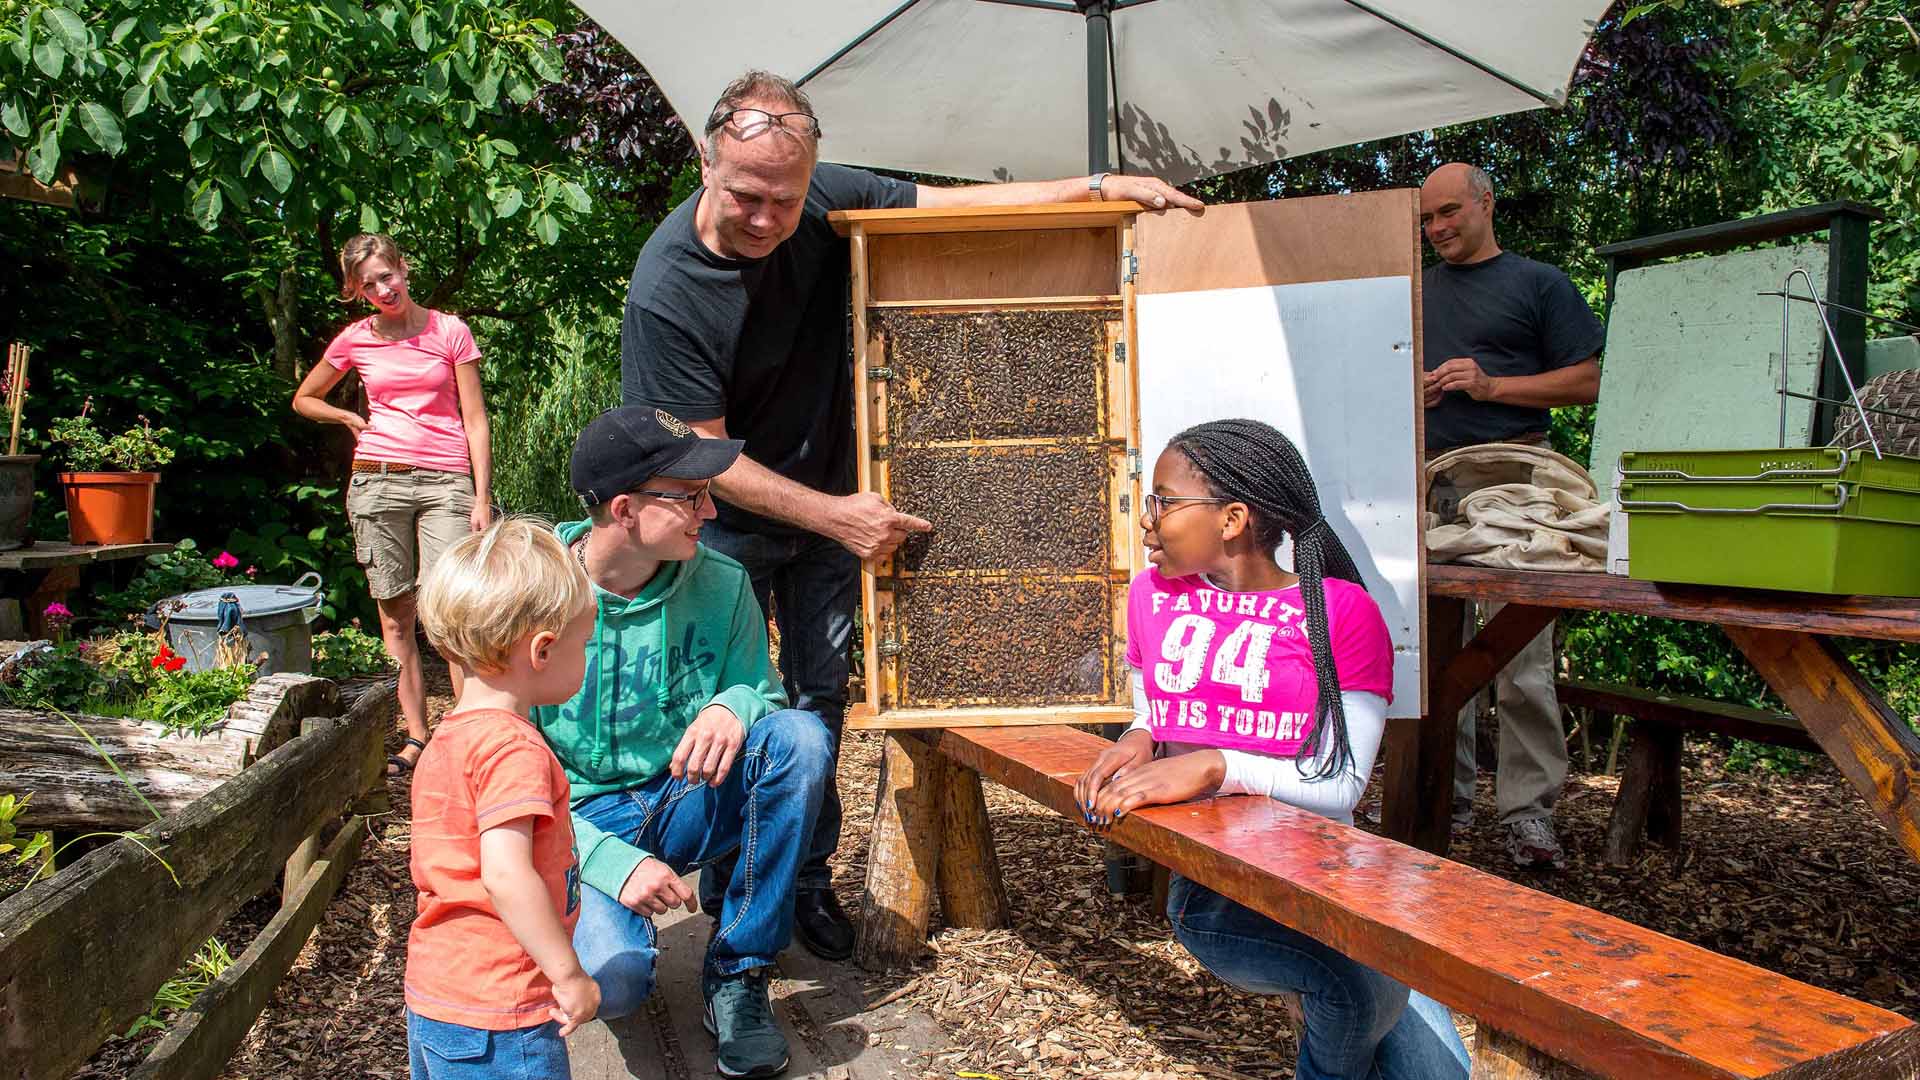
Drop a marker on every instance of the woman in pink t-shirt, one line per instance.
(1250, 679)
(422, 458)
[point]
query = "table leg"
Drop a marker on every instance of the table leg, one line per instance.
(47, 586)
(1875, 750)
(1417, 798)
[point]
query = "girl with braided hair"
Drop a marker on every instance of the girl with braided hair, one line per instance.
(1252, 679)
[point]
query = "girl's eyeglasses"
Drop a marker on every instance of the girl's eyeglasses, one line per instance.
(1157, 506)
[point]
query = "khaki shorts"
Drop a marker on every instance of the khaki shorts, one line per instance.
(402, 521)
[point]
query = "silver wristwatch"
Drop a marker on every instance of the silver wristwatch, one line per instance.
(1093, 187)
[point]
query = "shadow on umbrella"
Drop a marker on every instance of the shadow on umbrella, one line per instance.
(1147, 143)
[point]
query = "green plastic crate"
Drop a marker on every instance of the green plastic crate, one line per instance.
(1816, 551)
(1776, 497)
(1801, 463)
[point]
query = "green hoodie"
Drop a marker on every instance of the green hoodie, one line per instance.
(693, 637)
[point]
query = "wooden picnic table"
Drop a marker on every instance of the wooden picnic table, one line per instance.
(1786, 636)
(35, 576)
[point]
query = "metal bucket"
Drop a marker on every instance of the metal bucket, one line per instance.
(273, 618)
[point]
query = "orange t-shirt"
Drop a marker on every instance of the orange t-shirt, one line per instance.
(483, 769)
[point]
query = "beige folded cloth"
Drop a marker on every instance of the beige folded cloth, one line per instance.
(1516, 507)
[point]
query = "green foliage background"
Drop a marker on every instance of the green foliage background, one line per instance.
(223, 149)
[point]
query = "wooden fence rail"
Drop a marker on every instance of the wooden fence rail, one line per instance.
(82, 953)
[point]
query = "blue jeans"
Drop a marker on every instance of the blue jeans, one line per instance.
(814, 584)
(765, 811)
(437, 1050)
(1360, 1025)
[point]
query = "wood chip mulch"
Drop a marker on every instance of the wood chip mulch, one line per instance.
(1791, 873)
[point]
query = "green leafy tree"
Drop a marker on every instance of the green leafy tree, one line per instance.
(293, 124)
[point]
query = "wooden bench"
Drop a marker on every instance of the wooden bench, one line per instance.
(1558, 990)
(1649, 800)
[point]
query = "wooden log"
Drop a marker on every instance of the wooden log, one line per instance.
(1499, 1056)
(903, 855)
(967, 877)
(271, 712)
(74, 788)
(206, 1035)
(69, 966)
(1876, 751)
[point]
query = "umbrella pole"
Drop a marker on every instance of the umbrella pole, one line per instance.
(1127, 873)
(1099, 15)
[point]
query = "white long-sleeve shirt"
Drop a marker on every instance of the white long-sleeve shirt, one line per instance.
(1286, 778)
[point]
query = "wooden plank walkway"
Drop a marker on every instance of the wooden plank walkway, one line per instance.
(821, 1006)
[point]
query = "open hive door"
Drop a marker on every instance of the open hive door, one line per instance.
(996, 402)
(1303, 313)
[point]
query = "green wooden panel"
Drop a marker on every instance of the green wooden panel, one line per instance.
(1693, 356)
(1892, 354)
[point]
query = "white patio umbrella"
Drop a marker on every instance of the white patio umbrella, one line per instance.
(1026, 89)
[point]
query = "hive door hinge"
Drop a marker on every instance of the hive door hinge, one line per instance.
(1120, 352)
(1129, 266)
(1133, 464)
(879, 374)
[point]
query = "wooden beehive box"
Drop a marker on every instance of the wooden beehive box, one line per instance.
(990, 347)
(997, 359)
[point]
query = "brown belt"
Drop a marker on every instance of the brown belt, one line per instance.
(360, 465)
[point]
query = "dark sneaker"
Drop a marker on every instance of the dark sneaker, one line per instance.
(1532, 846)
(821, 925)
(740, 1017)
(1462, 816)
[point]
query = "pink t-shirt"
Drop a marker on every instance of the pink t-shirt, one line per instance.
(413, 407)
(1234, 670)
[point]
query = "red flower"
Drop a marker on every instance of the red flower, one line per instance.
(168, 660)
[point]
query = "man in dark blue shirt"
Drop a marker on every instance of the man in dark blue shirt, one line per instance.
(1505, 339)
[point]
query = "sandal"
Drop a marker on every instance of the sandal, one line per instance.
(401, 766)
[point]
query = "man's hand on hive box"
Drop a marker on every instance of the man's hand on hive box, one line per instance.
(871, 528)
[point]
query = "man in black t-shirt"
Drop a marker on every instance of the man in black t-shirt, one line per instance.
(736, 320)
(1505, 339)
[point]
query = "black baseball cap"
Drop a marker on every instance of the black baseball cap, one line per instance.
(625, 447)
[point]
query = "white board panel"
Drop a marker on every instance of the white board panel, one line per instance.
(1331, 365)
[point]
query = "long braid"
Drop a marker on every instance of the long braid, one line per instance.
(1250, 462)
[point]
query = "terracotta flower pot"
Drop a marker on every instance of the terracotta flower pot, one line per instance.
(16, 499)
(110, 507)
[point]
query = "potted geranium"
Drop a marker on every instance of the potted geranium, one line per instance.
(110, 490)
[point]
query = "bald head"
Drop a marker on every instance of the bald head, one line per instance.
(1456, 213)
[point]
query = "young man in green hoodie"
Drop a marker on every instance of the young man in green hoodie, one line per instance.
(679, 747)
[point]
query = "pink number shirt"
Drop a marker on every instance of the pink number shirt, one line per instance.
(1235, 671)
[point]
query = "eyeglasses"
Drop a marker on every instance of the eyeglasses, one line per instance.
(752, 123)
(695, 497)
(1158, 506)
